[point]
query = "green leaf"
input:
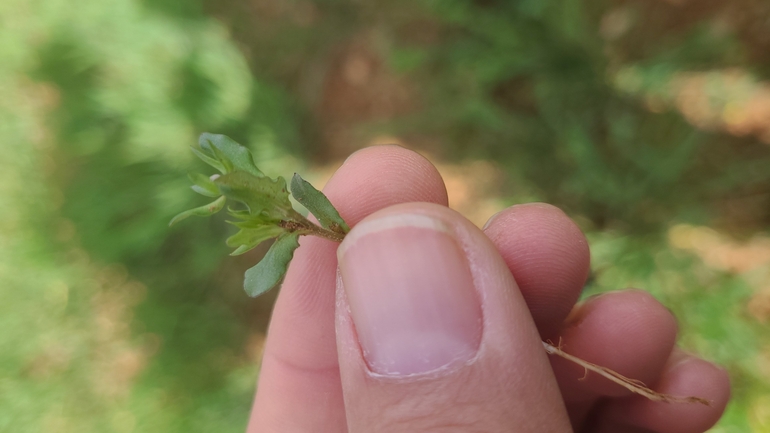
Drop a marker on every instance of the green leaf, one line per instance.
(203, 191)
(204, 185)
(222, 158)
(238, 213)
(208, 159)
(243, 249)
(269, 272)
(226, 149)
(261, 195)
(248, 238)
(253, 221)
(317, 203)
(206, 210)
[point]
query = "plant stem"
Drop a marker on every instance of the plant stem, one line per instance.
(326, 234)
(632, 385)
(300, 223)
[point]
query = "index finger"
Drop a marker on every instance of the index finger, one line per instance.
(299, 387)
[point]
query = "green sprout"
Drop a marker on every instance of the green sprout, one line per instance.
(263, 210)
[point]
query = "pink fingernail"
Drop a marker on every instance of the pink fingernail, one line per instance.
(411, 295)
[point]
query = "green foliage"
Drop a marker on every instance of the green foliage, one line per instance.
(203, 185)
(268, 273)
(265, 198)
(251, 235)
(100, 103)
(317, 204)
(229, 155)
(205, 210)
(532, 87)
(269, 213)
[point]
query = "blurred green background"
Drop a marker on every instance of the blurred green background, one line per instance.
(648, 121)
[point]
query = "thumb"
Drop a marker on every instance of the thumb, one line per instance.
(433, 333)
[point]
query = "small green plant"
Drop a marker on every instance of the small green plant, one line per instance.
(266, 213)
(263, 210)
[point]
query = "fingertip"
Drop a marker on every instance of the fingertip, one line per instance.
(428, 341)
(684, 376)
(627, 331)
(548, 256)
(512, 213)
(380, 176)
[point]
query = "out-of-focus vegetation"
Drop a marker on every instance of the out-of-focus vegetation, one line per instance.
(647, 121)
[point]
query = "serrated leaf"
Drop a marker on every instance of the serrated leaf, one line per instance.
(206, 210)
(261, 195)
(272, 268)
(227, 150)
(248, 238)
(204, 185)
(317, 203)
(208, 159)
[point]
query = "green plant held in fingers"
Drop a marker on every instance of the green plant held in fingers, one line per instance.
(264, 212)
(262, 209)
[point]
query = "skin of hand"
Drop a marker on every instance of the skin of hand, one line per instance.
(421, 322)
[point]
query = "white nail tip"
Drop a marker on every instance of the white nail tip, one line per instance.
(389, 222)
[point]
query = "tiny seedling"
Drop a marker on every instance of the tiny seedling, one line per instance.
(265, 212)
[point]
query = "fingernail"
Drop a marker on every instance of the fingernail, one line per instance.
(411, 295)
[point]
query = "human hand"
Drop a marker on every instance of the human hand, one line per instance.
(433, 325)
